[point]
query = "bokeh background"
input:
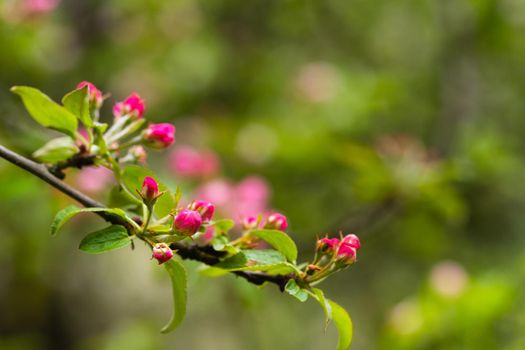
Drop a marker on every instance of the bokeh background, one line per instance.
(401, 121)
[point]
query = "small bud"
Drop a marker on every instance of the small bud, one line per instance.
(311, 269)
(95, 95)
(327, 245)
(187, 222)
(352, 240)
(159, 136)
(277, 221)
(150, 190)
(162, 252)
(250, 222)
(206, 209)
(138, 153)
(132, 105)
(346, 254)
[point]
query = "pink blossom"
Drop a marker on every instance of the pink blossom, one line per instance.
(347, 251)
(150, 189)
(205, 208)
(249, 222)
(94, 179)
(188, 162)
(277, 221)
(39, 7)
(162, 252)
(159, 136)
(328, 244)
(352, 240)
(132, 105)
(95, 95)
(187, 222)
(218, 191)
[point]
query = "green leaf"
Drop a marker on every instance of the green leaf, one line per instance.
(266, 260)
(45, 111)
(56, 150)
(294, 290)
(325, 305)
(221, 242)
(77, 102)
(133, 176)
(280, 241)
(343, 323)
(109, 238)
(178, 278)
(67, 213)
(223, 225)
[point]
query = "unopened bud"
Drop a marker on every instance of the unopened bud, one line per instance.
(95, 95)
(133, 105)
(150, 190)
(138, 153)
(187, 222)
(159, 136)
(277, 221)
(162, 252)
(327, 245)
(206, 209)
(250, 222)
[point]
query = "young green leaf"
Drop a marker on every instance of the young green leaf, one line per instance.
(294, 290)
(133, 176)
(67, 213)
(178, 278)
(325, 305)
(343, 323)
(45, 111)
(77, 102)
(270, 261)
(109, 238)
(223, 225)
(280, 241)
(56, 150)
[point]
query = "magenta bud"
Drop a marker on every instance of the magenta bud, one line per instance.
(159, 136)
(206, 209)
(95, 95)
(150, 190)
(352, 240)
(187, 222)
(277, 221)
(133, 105)
(328, 245)
(162, 252)
(250, 222)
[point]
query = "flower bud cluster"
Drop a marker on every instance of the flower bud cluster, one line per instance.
(275, 221)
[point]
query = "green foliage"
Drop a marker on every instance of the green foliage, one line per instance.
(45, 111)
(294, 290)
(107, 239)
(178, 278)
(343, 323)
(77, 102)
(280, 241)
(56, 150)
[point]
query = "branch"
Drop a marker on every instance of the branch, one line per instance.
(205, 254)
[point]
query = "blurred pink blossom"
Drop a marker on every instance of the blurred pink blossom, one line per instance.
(188, 162)
(249, 197)
(39, 7)
(94, 179)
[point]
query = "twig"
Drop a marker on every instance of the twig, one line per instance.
(205, 254)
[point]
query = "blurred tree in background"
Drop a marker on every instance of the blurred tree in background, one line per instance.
(399, 121)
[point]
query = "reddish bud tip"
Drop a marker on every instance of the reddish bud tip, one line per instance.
(95, 95)
(138, 153)
(187, 222)
(159, 136)
(206, 209)
(328, 245)
(162, 252)
(132, 105)
(277, 221)
(150, 189)
(250, 222)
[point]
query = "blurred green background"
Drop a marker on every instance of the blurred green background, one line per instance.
(400, 121)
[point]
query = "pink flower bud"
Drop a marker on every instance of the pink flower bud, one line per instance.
(150, 189)
(206, 209)
(187, 222)
(346, 254)
(159, 136)
(352, 240)
(138, 153)
(327, 244)
(277, 221)
(132, 105)
(162, 252)
(249, 222)
(95, 95)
